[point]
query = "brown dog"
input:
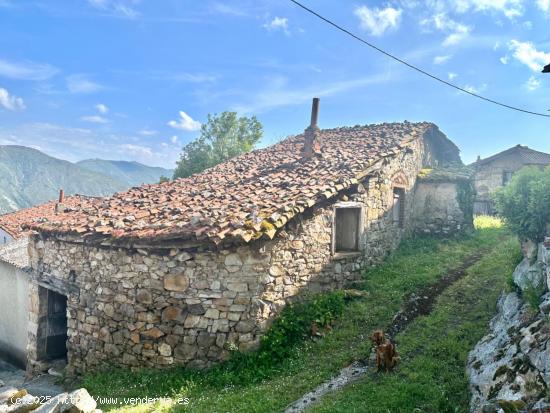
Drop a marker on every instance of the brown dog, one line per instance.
(378, 338)
(386, 355)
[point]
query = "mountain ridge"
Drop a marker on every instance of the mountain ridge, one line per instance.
(29, 177)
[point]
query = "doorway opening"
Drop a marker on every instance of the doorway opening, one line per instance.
(52, 327)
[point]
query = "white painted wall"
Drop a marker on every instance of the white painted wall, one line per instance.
(14, 305)
(4, 237)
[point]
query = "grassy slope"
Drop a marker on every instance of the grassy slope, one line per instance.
(434, 349)
(416, 264)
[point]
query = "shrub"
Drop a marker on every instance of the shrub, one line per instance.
(525, 203)
(532, 295)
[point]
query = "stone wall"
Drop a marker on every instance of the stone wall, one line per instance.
(489, 177)
(160, 307)
(437, 209)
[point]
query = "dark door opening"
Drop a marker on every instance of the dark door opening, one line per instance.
(52, 331)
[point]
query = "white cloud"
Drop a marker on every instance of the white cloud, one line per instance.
(377, 21)
(81, 83)
(452, 76)
(187, 77)
(456, 32)
(510, 8)
(504, 60)
(117, 8)
(185, 122)
(148, 132)
(138, 150)
(174, 139)
(102, 108)
(94, 119)
(26, 70)
(10, 102)
(441, 60)
(276, 92)
(526, 53)
(474, 89)
(532, 83)
(544, 5)
(278, 23)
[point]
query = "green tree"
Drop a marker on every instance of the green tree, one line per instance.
(222, 137)
(525, 203)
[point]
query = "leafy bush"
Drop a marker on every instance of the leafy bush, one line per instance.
(295, 321)
(525, 203)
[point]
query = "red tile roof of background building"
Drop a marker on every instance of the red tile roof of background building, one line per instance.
(249, 196)
(13, 223)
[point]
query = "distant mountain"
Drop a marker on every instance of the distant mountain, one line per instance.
(131, 173)
(29, 177)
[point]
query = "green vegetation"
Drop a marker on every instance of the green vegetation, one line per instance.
(532, 294)
(433, 348)
(222, 137)
(525, 203)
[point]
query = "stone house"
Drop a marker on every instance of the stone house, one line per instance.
(176, 273)
(496, 171)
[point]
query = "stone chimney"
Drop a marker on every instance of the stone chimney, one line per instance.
(60, 207)
(312, 138)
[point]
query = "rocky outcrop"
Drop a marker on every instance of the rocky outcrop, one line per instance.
(509, 368)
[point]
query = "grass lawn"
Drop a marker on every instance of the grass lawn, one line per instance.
(430, 377)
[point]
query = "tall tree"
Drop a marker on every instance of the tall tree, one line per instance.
(222, 137)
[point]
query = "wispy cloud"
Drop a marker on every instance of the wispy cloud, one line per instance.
(116, 8)
(27, 70)
(185, 77)
(220, 8)
(476, 89)
(527, 53)
(185, 122)
(102, 108)
(378, 21)
(278, 93)
(10, 102)
(532, 83)
(277, 24)
(94, 119)
(139, 150)
(148, 132)
(452, 76)
(441, 60)
(81, 83)
(456, 32)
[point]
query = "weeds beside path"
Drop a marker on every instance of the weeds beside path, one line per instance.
(417, 264)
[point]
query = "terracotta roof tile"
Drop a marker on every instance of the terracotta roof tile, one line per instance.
(247, 197)
(16, 223)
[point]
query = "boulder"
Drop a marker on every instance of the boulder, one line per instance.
(78, 401)
(526, 275)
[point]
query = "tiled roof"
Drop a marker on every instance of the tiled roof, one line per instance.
(249, 196)
(14, 222)
(526, 155)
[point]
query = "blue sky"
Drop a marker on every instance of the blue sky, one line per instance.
(134, 79)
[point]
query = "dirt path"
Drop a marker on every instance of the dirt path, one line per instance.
(416, 304)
